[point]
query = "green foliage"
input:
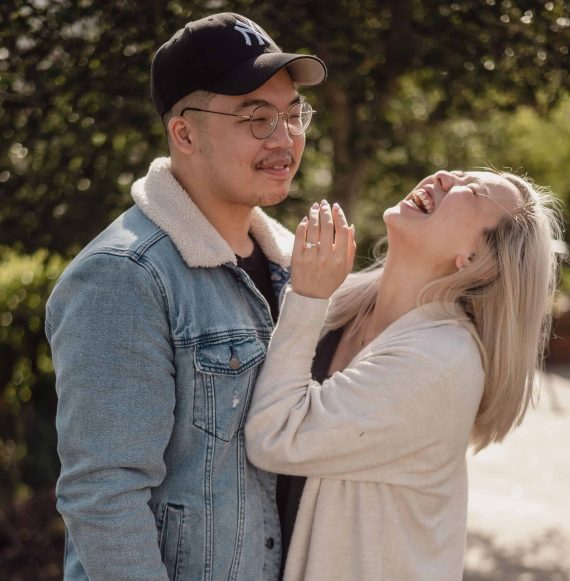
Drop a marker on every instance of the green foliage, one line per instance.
(79, 126)
(74, 81)
(27, 397)
(399, 67)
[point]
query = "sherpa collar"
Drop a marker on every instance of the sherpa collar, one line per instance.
(166, 203)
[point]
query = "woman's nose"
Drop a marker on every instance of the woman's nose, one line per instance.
(444, 180)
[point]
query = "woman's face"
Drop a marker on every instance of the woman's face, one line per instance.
(442, 220)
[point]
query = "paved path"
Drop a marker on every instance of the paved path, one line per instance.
(519, 507)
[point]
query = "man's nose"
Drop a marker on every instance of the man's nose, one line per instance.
(280, 136)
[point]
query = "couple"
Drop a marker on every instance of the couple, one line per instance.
(179, 402)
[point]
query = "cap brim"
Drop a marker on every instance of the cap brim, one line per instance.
(305, 70)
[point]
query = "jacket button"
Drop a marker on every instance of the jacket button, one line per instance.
(270, 543)
(235, 362)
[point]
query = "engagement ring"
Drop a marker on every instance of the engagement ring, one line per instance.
(309, 245)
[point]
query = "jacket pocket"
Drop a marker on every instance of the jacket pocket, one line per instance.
(225, 373)
(170, 538)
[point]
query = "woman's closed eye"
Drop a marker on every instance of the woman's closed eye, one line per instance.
(474, 188)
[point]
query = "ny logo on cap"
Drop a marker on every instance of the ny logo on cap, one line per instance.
(248, 29)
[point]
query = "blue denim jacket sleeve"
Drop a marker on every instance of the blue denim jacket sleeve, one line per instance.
(108, 327)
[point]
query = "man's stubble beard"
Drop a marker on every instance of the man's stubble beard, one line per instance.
(262, 200)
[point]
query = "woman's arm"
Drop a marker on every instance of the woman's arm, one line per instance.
(376, 413)
(369, 421)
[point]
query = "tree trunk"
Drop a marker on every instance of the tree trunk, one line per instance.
(349, 169)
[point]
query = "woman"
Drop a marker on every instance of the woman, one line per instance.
(436, 348)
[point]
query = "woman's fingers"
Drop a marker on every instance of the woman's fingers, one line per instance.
(344, 243)
(300, 237)
(327, 227)
(341, 230)
(323, 252)
(351, 246)
(313, 229)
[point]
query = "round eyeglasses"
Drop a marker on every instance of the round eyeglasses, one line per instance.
(263, 121)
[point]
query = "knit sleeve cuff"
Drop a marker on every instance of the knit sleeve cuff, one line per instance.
(304, 316)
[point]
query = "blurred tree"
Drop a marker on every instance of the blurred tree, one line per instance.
(79, 126)
(400, 65)
(31, 533)
(27, 404)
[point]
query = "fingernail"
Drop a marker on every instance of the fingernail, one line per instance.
(305, 219)
(315, 206)
(324, 203)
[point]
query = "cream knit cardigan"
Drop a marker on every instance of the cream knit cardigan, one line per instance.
(382, 443)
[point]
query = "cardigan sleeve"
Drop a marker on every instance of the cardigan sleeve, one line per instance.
(390, 411)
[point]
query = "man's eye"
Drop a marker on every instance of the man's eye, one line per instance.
(262, 118)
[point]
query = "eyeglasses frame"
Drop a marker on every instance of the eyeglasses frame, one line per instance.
(280, 115)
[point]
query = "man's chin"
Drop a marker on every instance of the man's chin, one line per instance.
(272, 198)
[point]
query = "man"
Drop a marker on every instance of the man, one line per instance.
(159, 325)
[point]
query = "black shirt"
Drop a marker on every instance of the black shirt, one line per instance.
(257, 267)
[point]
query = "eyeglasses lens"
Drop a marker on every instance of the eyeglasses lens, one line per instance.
(265, 118)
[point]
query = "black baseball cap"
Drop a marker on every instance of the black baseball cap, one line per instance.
(227, 54)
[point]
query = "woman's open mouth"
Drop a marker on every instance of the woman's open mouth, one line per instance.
(422, 200)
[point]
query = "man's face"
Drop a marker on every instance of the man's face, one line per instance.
(236, 167)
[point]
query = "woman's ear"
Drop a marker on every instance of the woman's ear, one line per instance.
(179, 131)
(462, 260)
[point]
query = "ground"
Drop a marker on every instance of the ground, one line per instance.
(519, 507)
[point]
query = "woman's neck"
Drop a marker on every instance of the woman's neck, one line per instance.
(398, 291)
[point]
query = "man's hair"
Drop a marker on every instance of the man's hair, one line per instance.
(506, 292)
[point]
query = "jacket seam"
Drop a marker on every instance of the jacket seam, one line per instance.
(140, 260)
(227, 334)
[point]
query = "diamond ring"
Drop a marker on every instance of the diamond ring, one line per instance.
(309, 245)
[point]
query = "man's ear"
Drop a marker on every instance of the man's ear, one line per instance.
(180, 134)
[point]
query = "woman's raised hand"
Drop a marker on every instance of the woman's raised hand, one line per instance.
(323, 252)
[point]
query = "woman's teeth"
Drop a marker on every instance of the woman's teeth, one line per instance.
(423, 201)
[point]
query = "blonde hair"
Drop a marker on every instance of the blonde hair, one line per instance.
(506, 291)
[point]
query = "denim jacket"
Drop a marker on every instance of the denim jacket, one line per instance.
(157, 337)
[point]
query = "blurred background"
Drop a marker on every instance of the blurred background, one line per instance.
(414, 86)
